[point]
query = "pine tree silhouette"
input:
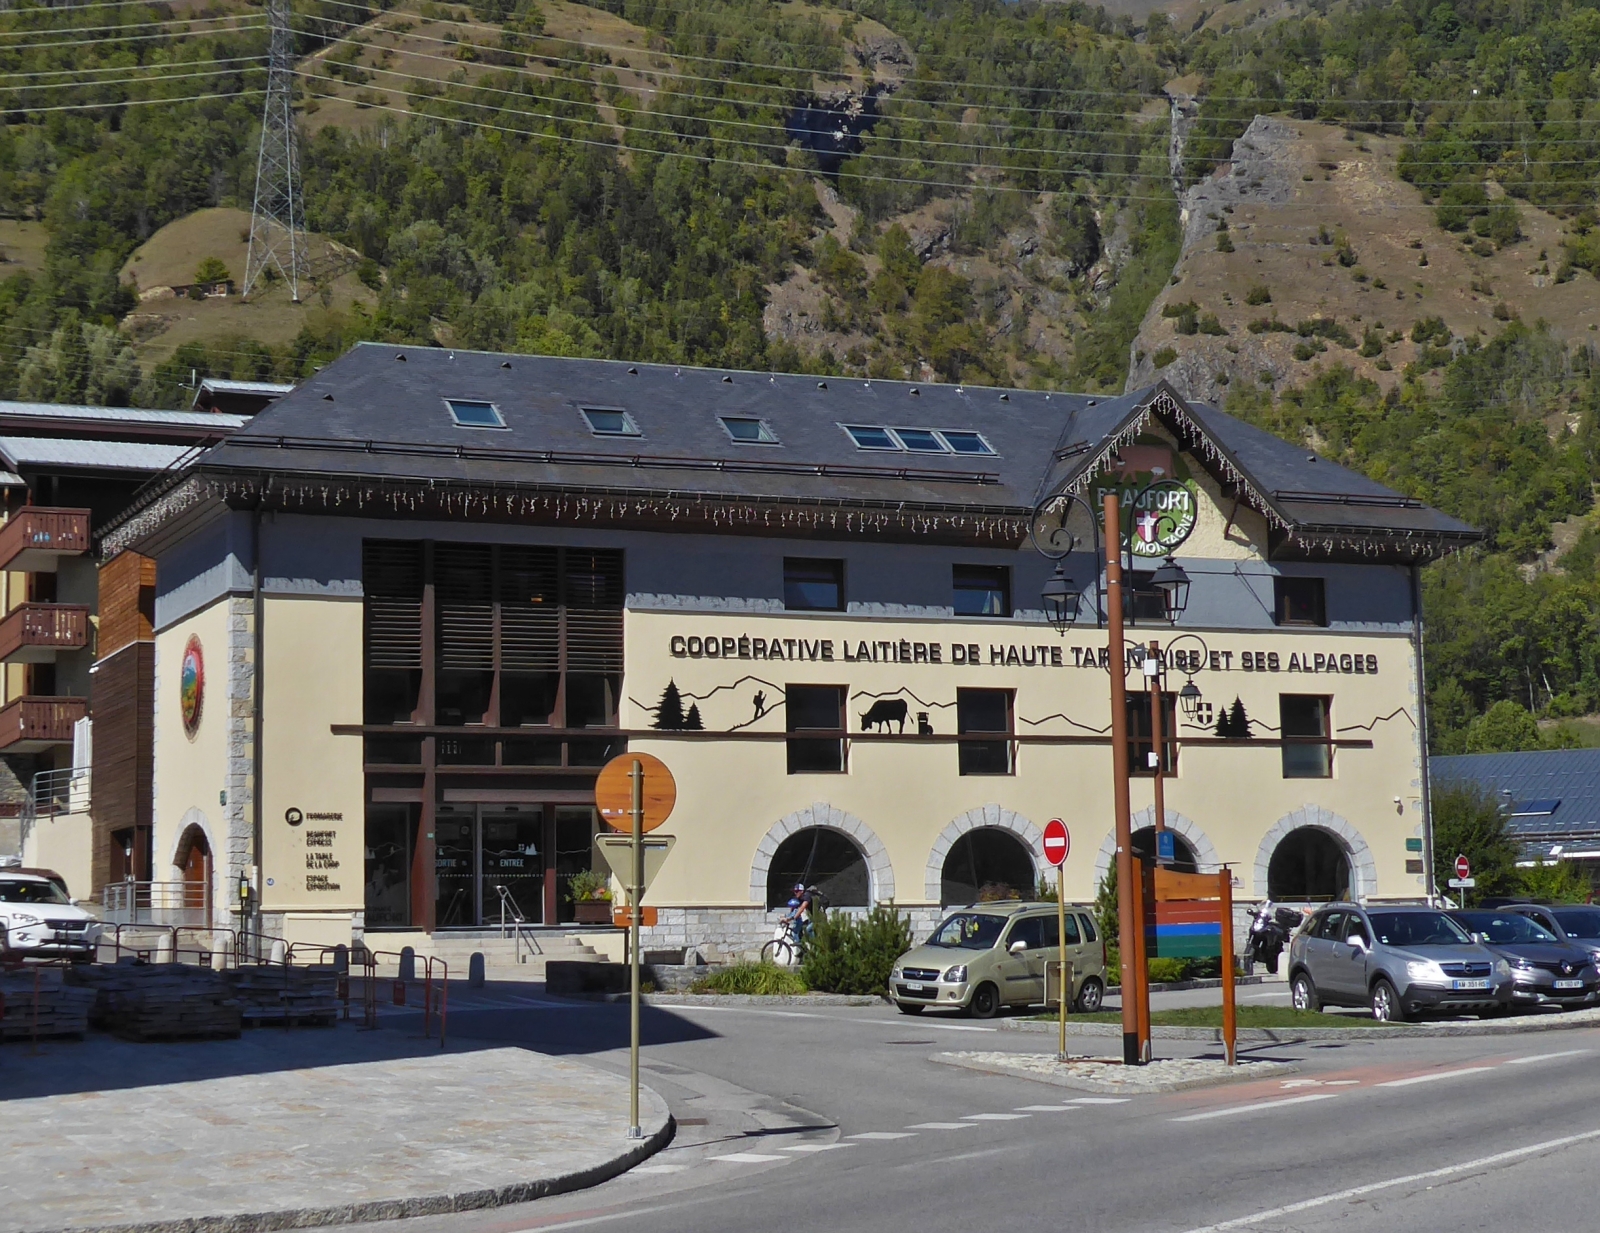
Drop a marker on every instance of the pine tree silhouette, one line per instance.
(669, 712)
(1238, 721)
(1222, 730)
(691, 721)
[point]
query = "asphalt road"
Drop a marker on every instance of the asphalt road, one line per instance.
(835, 1119)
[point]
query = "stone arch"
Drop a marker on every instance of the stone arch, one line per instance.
(820, 813)
(1205, 852)
(1363, 868)
(986, 815)
(194, 831)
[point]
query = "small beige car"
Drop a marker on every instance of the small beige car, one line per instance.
(988, 955)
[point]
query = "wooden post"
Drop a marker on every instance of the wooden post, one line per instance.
(1230, 1014)
(635, 896)
(1141, 986)
(1128, 889)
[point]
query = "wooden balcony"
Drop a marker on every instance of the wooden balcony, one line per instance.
(34, 633)
(35, 538)
(32, 725)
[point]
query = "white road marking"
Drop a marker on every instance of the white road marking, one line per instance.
(816, 1147)
(659, 1169)
(1545, 1057)
(1438, 1074)
(884, 1134)
(1341, 1083)
(941, 1126)
(1259, 1107)
(954, 1027)
(995, 1117)
(1099, 1100)
(747, 1158)
(1356, 1192)
(1043, 1108)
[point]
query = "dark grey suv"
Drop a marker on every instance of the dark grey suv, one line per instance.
(1545, 971)
(1577, 923)
(1399, 960)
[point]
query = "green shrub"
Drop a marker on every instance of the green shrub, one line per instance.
(1163, 357)
(1187, 315)
(851, 954)
(1269, 325)
(1164, 971)
(1430, 329)
(765, 979)
(1326, 327)
(1258, 294)
(1371, 343)
(1210, 325)
(1224, 242)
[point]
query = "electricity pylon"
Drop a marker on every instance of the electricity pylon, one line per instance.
(277, 222)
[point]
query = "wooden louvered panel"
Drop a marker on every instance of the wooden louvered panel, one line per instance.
(594, 640)
(593, 579)
(529, 576)
(530, 638)
(394, 632)
(392, 568)
(463, 584)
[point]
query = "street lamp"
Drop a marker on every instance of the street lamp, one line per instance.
(1061, 598)
(1173, 584)
(1189, 699)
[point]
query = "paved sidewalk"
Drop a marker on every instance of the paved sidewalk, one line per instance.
(290, 1130)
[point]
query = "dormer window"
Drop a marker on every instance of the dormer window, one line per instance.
(747, 430)
(608, 422)
(468, 413)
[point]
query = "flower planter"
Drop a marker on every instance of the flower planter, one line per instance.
(592, 912)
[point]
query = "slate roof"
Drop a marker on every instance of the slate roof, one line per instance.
(1553, 795)
(378, 416)
(56, 454)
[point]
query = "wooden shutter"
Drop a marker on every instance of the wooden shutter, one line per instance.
(391, 574)
(530, 610)
(463, 588)
(592, 586)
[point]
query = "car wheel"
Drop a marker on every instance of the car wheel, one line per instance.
(1303, 993)
(1090, 995)
(985, 1002)
(1386, 1005)
(908, 1008)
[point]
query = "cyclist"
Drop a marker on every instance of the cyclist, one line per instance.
(798, 919)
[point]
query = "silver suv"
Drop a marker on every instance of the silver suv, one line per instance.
(1399, 960)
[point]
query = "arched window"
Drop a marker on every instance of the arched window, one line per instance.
(987, 863)
(826, 859)
(1144, 847)
(1308, 864)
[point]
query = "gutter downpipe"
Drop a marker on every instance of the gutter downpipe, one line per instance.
(1422, 735)
(256, 818)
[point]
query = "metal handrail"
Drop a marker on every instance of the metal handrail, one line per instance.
(517, 925)
(64, 790)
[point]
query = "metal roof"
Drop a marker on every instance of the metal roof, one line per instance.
(34, 453)
(68, 412)
(1552, 792)
(223, 385)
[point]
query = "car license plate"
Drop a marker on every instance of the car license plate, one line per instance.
(910, 988)
(1467, 985)
(1569, 984)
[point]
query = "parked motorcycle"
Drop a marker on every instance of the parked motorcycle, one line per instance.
(1270, 932)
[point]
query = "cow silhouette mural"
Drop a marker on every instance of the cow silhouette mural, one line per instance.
(884, 712)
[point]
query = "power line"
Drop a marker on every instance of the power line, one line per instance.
(141, 102)
(244, 21)
(123, 68)
(136, 38)
(123, 81)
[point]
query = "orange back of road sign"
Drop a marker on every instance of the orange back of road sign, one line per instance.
(613, 791)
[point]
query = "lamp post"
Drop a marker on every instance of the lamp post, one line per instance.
(1061, 599)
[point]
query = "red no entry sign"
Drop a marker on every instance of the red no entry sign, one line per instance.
(1057, 843)
(1463, 867)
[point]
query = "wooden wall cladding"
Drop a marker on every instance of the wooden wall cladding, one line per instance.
(122, 702)
(127, 602)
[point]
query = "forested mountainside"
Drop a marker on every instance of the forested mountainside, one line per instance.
(1369, 227)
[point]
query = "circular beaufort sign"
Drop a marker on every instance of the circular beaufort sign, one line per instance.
(1057, 843)
(192, 685)
(613, 791)
(1463, 868)
(1163, 518)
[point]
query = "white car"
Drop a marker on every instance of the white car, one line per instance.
(37, 918)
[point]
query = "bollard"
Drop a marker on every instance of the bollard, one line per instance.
(280, 950)
(475, 970)
(219, 956)
(341, 959)
(164, 948)
(408, 963)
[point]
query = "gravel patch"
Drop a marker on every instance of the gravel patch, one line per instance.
(1109, 1075)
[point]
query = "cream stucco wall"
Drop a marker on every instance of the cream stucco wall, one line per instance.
(732, 792)
(64, 843)
(313, 680)
(191, 771)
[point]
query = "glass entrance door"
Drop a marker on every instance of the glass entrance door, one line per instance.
(482, 852)
(512, 845)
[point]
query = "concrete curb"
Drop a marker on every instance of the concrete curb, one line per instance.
(401, 1209)
(1238, 1074)
(1289, 1036)
(753, 999)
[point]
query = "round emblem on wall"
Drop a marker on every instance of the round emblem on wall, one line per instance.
(1164, 518)
(192, 685)
(293, 816)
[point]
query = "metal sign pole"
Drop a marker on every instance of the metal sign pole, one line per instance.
(635, 894)
(1230, 1012)
(1064, 976)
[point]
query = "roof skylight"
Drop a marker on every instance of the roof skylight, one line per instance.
(748, 430)
(468, 413)
(918, 440)
(607, 422)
